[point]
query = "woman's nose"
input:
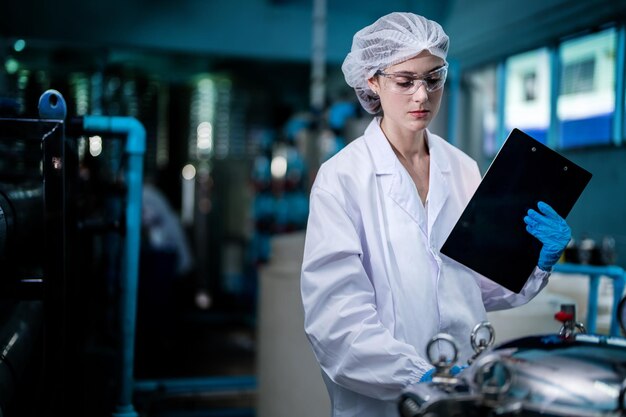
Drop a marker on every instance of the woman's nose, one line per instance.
(421, 95)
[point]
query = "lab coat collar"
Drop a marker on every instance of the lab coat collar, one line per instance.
(438, 154)
(386, 162)
(385, 159)
(438, 188)
(380, 149)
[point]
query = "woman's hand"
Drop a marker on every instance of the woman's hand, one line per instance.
(551, 230)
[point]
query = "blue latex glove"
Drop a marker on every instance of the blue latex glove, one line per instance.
(457, 369)
(551, 230)
(428, 375)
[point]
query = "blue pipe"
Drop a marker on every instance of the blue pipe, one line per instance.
(135, 149)
(620, 80)
(501, 92)
(220, 412)
(554, 137)
(594, 272)
(592, 303)
(198, 385)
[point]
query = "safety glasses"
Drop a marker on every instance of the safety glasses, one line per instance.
(407, 83)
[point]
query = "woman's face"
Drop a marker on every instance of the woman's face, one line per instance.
(415, 111)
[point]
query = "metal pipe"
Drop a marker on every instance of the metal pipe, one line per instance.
(594, 272)
(135, 148)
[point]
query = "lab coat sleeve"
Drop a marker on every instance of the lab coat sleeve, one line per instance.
(342, 323)
(497, 297)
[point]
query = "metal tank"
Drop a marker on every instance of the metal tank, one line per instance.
(568, 373)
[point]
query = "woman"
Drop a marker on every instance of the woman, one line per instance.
(375, 287)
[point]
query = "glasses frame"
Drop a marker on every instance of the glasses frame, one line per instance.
(418, 80)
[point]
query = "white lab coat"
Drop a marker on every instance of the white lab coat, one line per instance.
(375, 288)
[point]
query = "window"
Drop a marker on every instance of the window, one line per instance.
(527, 93)
(586, 101)
(578, 77)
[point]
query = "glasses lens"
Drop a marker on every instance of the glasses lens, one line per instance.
(433, 84)
(407, 84)
(435, 80)
(402, 84)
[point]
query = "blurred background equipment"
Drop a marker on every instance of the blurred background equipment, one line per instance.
(282, 347)
(50, 269)
(40, 326)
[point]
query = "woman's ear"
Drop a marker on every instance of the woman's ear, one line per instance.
(373, 84)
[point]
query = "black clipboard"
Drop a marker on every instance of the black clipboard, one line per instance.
(490, 237)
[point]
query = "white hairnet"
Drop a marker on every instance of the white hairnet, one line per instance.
(392, 39)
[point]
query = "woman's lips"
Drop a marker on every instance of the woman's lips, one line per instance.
(419, 113)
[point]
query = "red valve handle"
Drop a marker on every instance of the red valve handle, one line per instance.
(563, 316)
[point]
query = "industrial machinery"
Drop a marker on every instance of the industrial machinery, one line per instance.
(32, 151)
(50, 216)
(569, 373)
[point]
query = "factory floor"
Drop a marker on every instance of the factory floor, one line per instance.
(211, 352)
(189, 362)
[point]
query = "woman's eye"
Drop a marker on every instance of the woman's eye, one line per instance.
(432, 81)
(404, 83)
